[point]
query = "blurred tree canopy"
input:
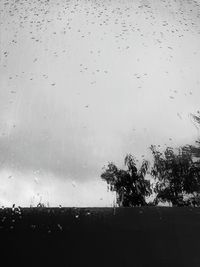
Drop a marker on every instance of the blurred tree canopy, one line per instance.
(176, 179)
(196, 149)
(177, 176)
(130, 185)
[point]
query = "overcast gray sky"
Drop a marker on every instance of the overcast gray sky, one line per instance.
(85, 82)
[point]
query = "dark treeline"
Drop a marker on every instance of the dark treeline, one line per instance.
(173, 177)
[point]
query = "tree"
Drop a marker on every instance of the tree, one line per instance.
(196, 149)
(130, 185)
(177, 176)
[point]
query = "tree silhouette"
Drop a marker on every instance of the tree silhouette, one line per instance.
(196, 117)
(195, 150)
(130, 185)
(177, 176)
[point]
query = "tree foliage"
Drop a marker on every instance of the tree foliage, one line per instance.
(130, 185)
(195, 150)
(177, 176)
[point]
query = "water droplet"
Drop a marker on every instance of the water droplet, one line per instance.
(60, 227)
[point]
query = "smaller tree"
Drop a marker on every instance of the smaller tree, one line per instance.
(130, 185)
(177, 176)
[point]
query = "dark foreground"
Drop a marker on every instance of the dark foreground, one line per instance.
(100, 237)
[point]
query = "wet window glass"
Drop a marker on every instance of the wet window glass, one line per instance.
(83, 83)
